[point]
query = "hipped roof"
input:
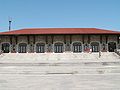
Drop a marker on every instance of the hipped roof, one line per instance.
(29, 31)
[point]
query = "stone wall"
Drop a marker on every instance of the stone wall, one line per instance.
(50, 40)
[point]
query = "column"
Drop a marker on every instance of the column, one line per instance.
(0, 43)
(17, 48)
(118, 42)
(100, 42)
(28, 48)
(71, 43)
(101, 39)
(0, 47)
(82, 43)
(82, 47)
(100, 47)
(16, 42)
(28, 45)
(52, 46)
(10, 48)
(118, 46)
(34, 41)
(64, 45)
(46, 45)
(106, 43)
(89, 41)
(34, 48)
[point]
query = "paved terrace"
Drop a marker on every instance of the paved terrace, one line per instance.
(83, 71)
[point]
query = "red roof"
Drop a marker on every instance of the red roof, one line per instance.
(59, 31)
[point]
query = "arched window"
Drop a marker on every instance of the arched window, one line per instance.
(111, 46)
(6, 47)
(95, 46)
(22, 48)
(77, 47)
(58, 48)
(40, 48)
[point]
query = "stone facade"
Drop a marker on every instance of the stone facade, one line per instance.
(58, 43)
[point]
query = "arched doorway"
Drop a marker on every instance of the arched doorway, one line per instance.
(6, 47)
(40, 48)
(58, 48)
(77, 47)
(22, 48)
(95, 46)
(111, 46)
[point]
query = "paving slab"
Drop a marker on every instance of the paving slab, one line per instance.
(66, 71)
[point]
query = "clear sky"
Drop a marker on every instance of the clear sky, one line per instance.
(103, 14)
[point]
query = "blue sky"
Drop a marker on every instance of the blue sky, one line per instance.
(60, 13)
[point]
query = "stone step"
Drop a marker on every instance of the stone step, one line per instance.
(64, 63)
(59, 56)
(45, 70)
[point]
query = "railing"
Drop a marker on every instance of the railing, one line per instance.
(117, 51)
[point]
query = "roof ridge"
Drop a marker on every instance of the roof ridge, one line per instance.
(59, 28)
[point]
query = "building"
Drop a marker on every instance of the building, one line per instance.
(59, 40)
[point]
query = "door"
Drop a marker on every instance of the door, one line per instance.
(22, 48)
(58, 48)
(111, 46)
(6, 47)
(40, 48)
(95, 46)
(77, 47)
